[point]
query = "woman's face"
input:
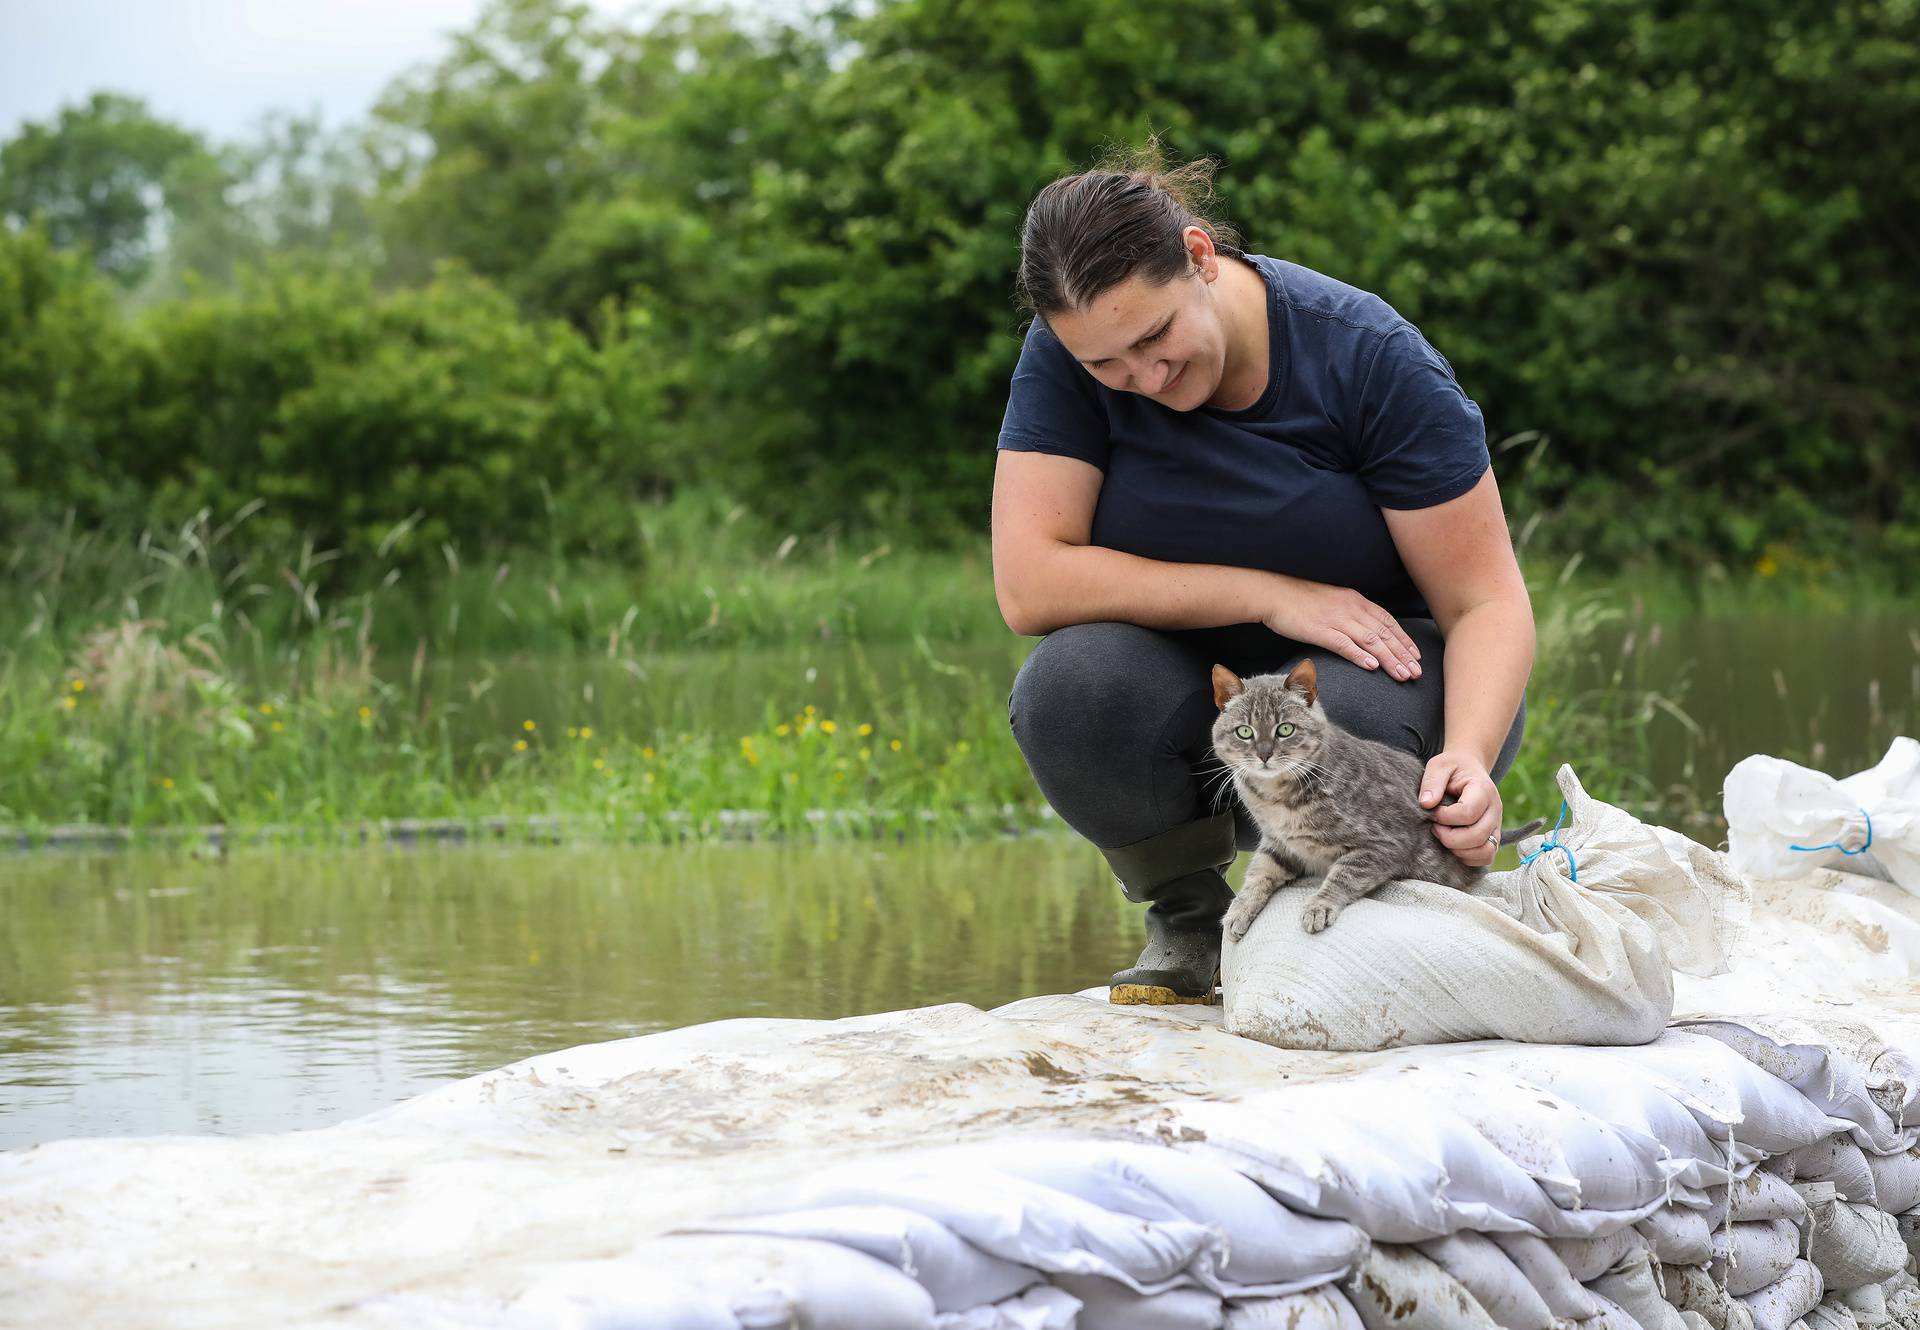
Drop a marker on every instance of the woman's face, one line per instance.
(1164, 342)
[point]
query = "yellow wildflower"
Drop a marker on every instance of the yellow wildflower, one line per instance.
(894, 745)
(647, 753)
(79, 685)
(810, 709)
(166, 782)
(519, 745)
(783, 729)
(1766, 566)
(528, 726)
(828, 727)
(963, 747)
(599, 764)
(366, 713)
(277, 727)
(266, 708)
(586, 731)
(866, 755)
(69, 703)
(573, 731)
(864, 730)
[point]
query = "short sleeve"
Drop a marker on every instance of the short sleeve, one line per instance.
(1421, 440)
(1054, 405)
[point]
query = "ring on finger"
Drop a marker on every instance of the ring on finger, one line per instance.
(1493, 839)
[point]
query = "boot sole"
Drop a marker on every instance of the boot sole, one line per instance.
(1155, 995)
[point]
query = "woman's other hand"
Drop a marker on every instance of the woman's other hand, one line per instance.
(1470, 826)
(1344, 621)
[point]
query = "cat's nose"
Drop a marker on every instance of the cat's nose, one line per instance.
(1264, 750)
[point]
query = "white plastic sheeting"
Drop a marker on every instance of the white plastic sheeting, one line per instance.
(1061, 1163)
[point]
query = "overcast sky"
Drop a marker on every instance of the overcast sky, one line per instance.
(216, 65)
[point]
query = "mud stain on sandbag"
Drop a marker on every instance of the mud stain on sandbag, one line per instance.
(1384, 1299)
(1039, 1064)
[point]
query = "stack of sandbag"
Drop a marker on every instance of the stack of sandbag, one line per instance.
(1785, 821)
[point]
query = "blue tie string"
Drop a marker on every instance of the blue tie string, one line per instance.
(1553, 843)
(1815, 849)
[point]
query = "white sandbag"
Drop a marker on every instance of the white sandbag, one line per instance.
(1787, 1299)
(1831, 1314)
(1634, 1287)
(1397, 1287)
(1760, 1254)
(1903, 1299)
(1040, 1308)
(1104, 1302)
(1270, 1250)
(1494, 1280)
(1587, 1259)
(1615, 1086)
(1763, 1195)
(1854, 1244)
(1839, 1161)
(1533, 955)
(1868, 1303)
(1024, 1222)
(760, 1281)
(1844, 1067)
(1768, 1117)
(1578, 1159)
(1896, 1181)
(1694, 1321)
(1677, 1237)
(1536, 1260)
(1345, 1150)
(1773, 806)
(956, 1274)
(1692, 1289)
(1318, 1309)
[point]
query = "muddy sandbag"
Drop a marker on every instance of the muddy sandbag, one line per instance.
(1759, 1254)
(1397, 1287)
(1909, 1225)
(1836, 1160)
(1576, 946)
(1634, 1287)
(1868, 1303)
(1692, 1289)
(1318, 1309)
(1854, 1244)
(1494, 1280)
(1787, 1299)
(1830, 1315)
(1843, 1066)
(1764, 1195)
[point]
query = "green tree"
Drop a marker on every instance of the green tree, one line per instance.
(101, 177)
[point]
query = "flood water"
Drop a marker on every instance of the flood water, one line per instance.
(296, 988)
(276, 991)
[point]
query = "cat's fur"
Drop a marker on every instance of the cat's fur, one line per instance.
(1326, 801)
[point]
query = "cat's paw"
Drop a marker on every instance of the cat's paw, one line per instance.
(1239, 917)
(1318, 916)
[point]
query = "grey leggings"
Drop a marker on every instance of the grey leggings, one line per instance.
(1116, 720)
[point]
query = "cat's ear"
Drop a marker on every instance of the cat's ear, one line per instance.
(1226, 686)
(1302, 678)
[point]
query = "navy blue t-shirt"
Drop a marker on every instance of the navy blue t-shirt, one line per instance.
(1360, 413)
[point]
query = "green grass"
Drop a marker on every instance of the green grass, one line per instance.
(174, 683)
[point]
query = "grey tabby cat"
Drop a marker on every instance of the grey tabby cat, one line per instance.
(1326, 801)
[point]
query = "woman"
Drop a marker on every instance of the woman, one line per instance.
(1213, 456)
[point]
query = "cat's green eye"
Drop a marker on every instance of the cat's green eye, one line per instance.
(1285, 729)
(1244, 731)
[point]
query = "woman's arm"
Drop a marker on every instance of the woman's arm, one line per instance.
(1047, 574)
(1461, 557)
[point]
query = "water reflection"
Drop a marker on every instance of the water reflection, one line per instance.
(277, 991)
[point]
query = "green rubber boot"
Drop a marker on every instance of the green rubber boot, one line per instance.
(1181, 875)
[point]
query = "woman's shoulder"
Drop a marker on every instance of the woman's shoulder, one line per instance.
(1310, 294)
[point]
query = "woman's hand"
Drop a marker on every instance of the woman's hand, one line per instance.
(1345, 621)
(1470, 827)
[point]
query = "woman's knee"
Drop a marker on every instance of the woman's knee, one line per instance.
(1088, 672)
